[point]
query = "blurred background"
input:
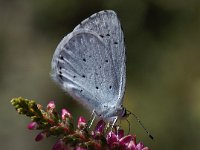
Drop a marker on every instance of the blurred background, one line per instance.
(163, 66)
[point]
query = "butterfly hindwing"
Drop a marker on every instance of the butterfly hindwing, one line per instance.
(82, 66)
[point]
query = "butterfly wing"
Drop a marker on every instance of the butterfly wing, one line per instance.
(107, 25)
(91, 68)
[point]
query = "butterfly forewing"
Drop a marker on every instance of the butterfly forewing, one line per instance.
(107, 25)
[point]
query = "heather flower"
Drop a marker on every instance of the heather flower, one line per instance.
(65, 114)
(51, 105)
(32, 126)
(40, 136)
(100, 126)
(59, 145)
(51, 123)
(118, 140)
(81, 123)
(80, 148)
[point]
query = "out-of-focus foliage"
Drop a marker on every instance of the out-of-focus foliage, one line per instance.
(163, 73)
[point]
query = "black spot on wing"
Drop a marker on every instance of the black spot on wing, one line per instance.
(60, 76)
(101, 36)
(61, 57)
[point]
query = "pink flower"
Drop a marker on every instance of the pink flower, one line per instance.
(81, 122)
(80, 148)
(111, 138)
(119, 133)
(125, 140)
(65, 114)
(118, 140)
(51, 105)
(51, 123)
(100, 126)
(140, 146)
(40, 136)
(59, 145)
(32, 126)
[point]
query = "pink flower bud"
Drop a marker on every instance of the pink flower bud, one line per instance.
(145, 148)
(40, 136)
(125, 140)
(32, 126)
(111, 138)
(100, 126)
(59, 145)
(119, 133)
(140, 146)
(81, 122)
(131, 145)
(80, 148)
(51, 105)
(65, 114)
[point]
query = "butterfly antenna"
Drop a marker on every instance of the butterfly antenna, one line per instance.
(91, 120)
(138, 120)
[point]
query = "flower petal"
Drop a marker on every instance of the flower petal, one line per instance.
(40, 136)
(32, 126)
(80, 148)
(59, 145)
(131, 145)
(51, 105)
(81, 122)
(65, 114)
(125, 140)
(100, 126)
(140, 146)
(145, 148)
(119, 133)
(111, 138)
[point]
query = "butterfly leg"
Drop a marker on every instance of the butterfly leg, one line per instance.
(117, 130)
(93, 116)
(114, 121)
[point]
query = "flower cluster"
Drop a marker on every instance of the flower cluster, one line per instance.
(79, 138)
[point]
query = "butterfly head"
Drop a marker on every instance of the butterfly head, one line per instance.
(125, 113)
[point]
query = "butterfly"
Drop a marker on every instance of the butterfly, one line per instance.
(89, 64)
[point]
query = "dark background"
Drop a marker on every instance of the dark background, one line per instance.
(163, 66)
